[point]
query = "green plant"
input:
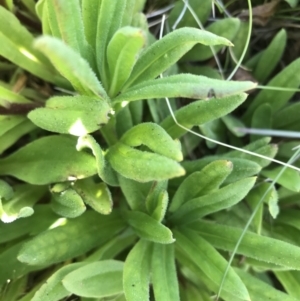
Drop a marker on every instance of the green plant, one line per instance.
(98, 135)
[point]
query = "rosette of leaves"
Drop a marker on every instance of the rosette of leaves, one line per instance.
(100, 63)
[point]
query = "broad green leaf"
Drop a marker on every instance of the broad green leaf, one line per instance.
(122, 53)
(260, 290)
(163, 270)
(78, 115)
(21, 203)
(290, 280)
(226, 28)
(290, 217)
(96, 280)
(155, 138)
(290, 178)
(157, 191)
(124, 121)
(53, 289)
(72, 66)
(253, 245)
(271, 56)
(201, 183)
(287, 118)
(191, 292)
(110, 19)
(213, 264)
(14, 134)
(136, 275)
(47, 160)
(261, 119)
(141, 166)
(202, 11)
(74, 238)
(148, 228)
(287, 78)
(42, 218)
(90, 13)
(167, 51)
(6, 191)
(183, 85)
(105, 172)
(240, 40)
(96, 195)
(16, 46)
(67, 15)
(132, 8)
(221, 199)
(67, 203)
(292, 3)
(162, 202)
(232, 123)
(200, 112)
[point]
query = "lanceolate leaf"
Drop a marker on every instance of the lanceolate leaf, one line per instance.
(213, 264)
(216, 201)
(155, 138)
(96, 280)
(122, 53)
(252, 245)
(200, 112)
(47, 160)
(72, 66)
(142, 166)
(184, 85)
(165, 52)
(53, 289)
(136, 276)
(148, 228)
(201, 183)
(287, 78)
(164, 278)
(260, 291)
(72, 239)
(78, 115)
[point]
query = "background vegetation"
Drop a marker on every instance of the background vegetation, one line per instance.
(136, 158)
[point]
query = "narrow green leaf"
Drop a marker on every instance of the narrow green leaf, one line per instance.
(96, 280)
(21, 203)
(164, 277)
(136, 275)
(109, 21)
(290, 280)
(287, 118)
(161, 207)
(271, 56)
(122, 53)
(201, 183)
(167, 51)
(96, 195)
(226, 28)
(67, 203)
(287, 78)
(72, 238)
(105, 172)
(290, 178)
(213, 264)
(200, 112)
(253, 245)
(90, 13)
(202, 11)
(148, 228)
(77, 115)
(72, 66)
(141, 166)
(8, 96)
(6, 191)
(8, 122)
(260, 290)
(216, 201)
(53, 289)
(155, 138)
(70, 23)
(232, 123)
(184, 85)
(47, 160)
